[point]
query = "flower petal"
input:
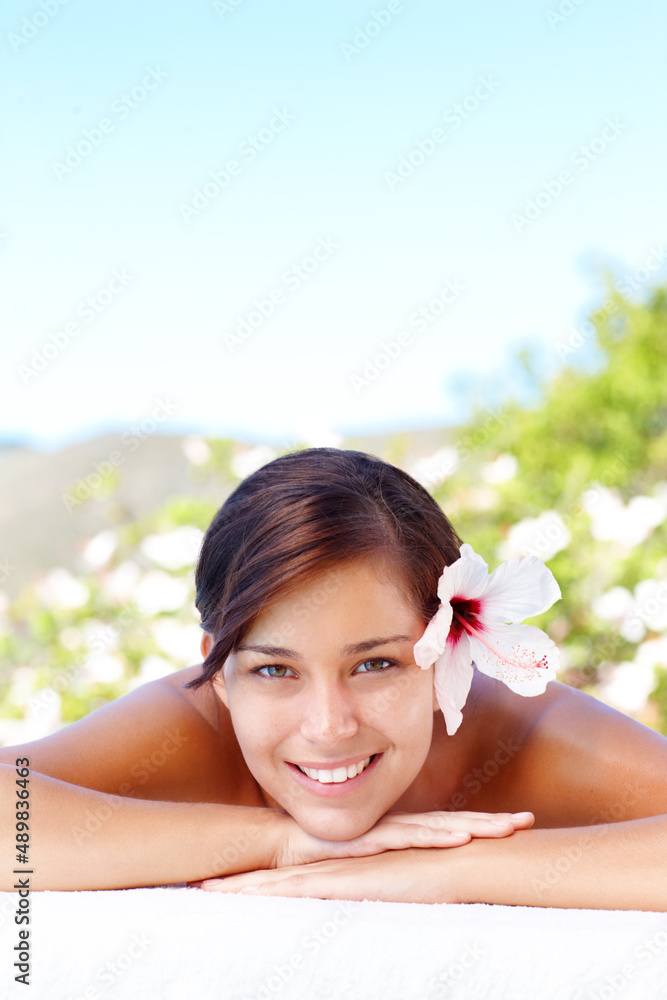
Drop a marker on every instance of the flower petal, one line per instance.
(521, 656)
(433, 641)
(452, 677)
(466, 578)
(518, 589)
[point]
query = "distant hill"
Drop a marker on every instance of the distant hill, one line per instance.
(42, 525)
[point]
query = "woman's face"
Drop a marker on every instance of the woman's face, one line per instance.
(335, 683)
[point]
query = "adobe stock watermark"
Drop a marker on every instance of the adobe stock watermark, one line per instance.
(454, 117)
(225, 7)
(571, 855)
(96, 816)
(566, 8)
(121, 109)
(419, 320)
(32, 25)
(248, 150)
(112, 971)
(365, 33)
(332, 581)
(642, 954)
(581, 159)
(292, 280)
(130, 440)
(632, 282)
(453, 455)
(474, 781)
(454, 972)
(7, 568)
(281, 974)
(104, 637)
(234, 856)
(88, 309)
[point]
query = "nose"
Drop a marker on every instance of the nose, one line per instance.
(329, 715)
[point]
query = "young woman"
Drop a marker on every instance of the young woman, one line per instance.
(337, 741)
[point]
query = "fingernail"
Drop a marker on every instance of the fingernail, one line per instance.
(523, 815)
(249, 888)
(460, 835)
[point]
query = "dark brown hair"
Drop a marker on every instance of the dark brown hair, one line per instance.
(306, 512)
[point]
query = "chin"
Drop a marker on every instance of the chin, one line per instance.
(341, 826)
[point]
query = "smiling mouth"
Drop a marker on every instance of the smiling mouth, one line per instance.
(338, 775)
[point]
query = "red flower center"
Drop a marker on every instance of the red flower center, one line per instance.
(465, 617)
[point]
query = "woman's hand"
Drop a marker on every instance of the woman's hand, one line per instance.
(398, 831)
(408, 876)
(385, 863)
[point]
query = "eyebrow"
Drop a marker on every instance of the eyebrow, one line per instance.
(350, 650)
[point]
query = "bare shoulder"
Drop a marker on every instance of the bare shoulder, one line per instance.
(160, 741)
(577, 760)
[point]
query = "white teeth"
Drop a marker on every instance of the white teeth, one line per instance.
(338, 775)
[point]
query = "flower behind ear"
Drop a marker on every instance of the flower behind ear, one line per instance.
(477, 622)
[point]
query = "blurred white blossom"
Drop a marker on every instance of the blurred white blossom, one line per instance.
(612, 521)
(152, 668)
(180, 642)
(652, 652)
(196, 450)
(100, 636)
(42, 718)
(99, 550)
(481, 498)
(102, 668)
(22, 686)
(173, 549)
(59, 589)
(120, 583)
(635, 614)
(434, 469)
(71, 638)
(613, 605)
(500, 470)
(158, 591)
(651, 604)
(541, 536)
(628, 685)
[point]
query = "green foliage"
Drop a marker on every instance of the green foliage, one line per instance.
(590, 433)
(76, 643)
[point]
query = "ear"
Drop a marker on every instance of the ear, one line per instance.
(206, 645)
(218, 681)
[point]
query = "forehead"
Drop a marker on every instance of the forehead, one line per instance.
(344, 595)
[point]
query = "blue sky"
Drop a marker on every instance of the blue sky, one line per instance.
(260, 302)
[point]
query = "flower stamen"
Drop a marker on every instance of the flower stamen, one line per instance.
(478, 635)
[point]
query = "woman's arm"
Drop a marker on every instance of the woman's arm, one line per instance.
(609, 866)
(80, 838)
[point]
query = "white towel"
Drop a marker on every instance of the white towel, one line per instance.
(176, 943)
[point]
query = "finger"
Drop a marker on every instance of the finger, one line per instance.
(449, 832)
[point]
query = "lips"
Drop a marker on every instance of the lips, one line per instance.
(334, 789)
(339, 774)
(324, 765)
